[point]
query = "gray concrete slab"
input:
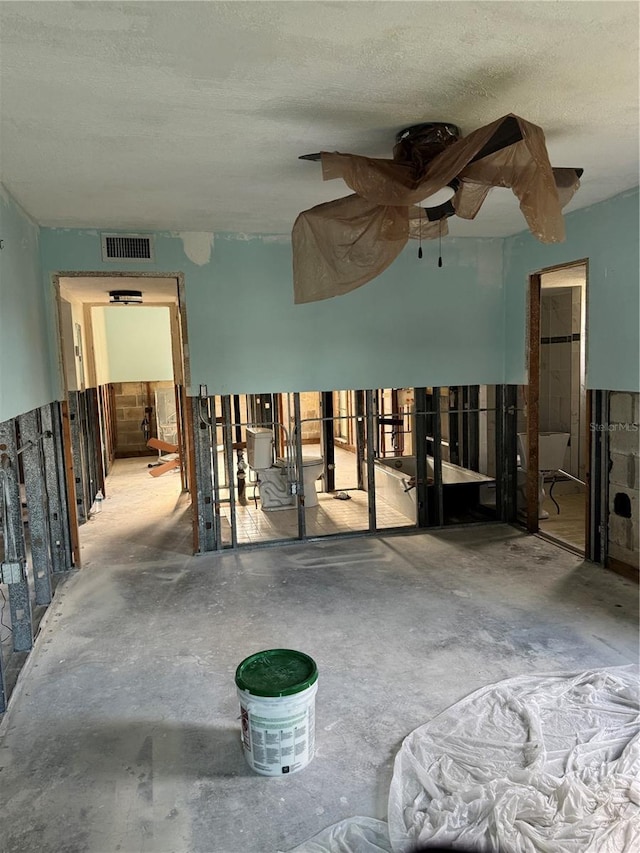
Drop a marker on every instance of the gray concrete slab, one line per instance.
(123, 734)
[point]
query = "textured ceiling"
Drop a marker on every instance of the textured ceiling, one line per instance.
(95, 289)
(191, 116)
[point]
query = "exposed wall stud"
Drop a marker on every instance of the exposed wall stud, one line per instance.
(228, 455)
(598, 479)
(78, 460)
(19, 598)
(56, 488)
(506, 468)
(302, 522)
(371, 415)
(422, 429)
(328, 441)
(204, 498)
(37, 504)
(438, 485)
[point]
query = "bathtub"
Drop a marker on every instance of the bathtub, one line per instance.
(393, 480)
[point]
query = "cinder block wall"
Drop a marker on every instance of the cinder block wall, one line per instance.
(310, 408)
(624, 477)
(131, 398)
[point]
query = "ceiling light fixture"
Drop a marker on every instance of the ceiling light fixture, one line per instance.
(125, 297)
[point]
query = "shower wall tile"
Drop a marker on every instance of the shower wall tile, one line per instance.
(560, 356)
(545, 353)
(560, 314)
(564, 420)
(554, 414)
(544, 317)
(559, 383)
(576, 309)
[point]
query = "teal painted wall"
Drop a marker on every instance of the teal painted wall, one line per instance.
(24, 322)
(138, 343)
(414, 325)
(606, 234)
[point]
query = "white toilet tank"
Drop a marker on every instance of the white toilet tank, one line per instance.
(259, 448)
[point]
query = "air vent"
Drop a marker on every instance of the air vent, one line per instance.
(127, 247)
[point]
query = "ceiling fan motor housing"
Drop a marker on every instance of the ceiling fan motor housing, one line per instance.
(420, 143)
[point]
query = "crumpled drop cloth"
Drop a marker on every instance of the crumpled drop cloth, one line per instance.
(534, 764)
(361, 834)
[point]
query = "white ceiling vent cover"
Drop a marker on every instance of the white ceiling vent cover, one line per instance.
(127, 247)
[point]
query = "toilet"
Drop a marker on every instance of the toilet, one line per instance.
(551, 451)
(275, 478)
(312, 469)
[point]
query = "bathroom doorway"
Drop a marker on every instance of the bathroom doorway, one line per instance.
(553, 486)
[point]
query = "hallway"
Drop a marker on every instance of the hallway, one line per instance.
(123, 733)
(142, 518)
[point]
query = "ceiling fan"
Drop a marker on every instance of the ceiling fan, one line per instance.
(434, 174)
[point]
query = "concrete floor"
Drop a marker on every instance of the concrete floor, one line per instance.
(123, 732)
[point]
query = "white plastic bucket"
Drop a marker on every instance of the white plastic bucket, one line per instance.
(278, 731)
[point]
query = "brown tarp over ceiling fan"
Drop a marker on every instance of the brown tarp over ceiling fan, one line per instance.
(341, 245)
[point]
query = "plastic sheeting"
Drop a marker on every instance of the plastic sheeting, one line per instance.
(340, 245)
(353, 835)
(535, 764)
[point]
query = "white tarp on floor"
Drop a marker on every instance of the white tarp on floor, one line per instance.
(535, 764)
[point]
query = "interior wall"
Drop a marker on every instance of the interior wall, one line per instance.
(414, 325)
(25, 380)
(75, 342)
(73, 377)
(100, 350)
(138, 343)
(606, 234)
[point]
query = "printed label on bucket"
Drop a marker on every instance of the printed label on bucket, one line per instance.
(281, 745)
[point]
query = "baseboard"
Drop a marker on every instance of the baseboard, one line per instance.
(631, 573)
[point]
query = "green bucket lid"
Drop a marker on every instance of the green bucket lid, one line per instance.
(276, 672)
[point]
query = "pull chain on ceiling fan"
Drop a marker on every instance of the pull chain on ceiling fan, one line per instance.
(341, 245)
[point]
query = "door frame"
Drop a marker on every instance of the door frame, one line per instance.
(532, 398)
(181, 371)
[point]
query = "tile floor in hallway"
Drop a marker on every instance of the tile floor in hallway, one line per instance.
(123, 734)
(568, 524)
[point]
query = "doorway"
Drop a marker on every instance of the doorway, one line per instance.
(124, 370)
(553, 435)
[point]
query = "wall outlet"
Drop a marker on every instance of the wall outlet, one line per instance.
(13, 571)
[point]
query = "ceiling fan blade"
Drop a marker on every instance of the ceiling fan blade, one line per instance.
(563, 175)
(167, 466)
(567, 183)
(314, 157)
(508, 133)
